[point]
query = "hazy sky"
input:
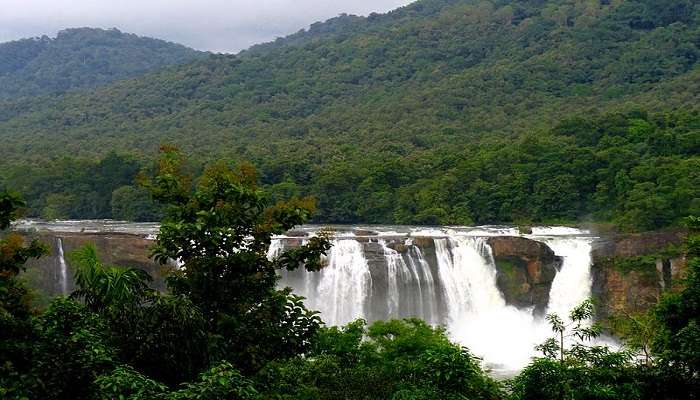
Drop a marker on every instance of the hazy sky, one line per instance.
(215, 25)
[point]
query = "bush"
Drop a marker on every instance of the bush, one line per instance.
(70, 353)
(405, 359)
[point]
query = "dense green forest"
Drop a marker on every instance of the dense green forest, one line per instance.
(638, 170)
(82, 58)
(439, 112)
(224, 331)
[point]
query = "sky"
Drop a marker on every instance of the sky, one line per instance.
(212, 25)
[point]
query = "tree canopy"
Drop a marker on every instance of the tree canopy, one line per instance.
(446, 112)
(82, 58)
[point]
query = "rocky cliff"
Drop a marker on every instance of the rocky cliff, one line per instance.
(632, 271)
(526, 270)
(113, 248)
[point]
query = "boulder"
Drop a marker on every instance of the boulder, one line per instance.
(526, 270)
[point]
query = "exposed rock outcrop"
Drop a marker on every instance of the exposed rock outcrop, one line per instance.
(526, 269)
(114, 249)
(631, 271)
(364, 232)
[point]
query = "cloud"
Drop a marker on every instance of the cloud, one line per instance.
(214, 25)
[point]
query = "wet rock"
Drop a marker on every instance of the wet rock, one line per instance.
(423, 242)
(400, 247)
(123, 250)
(526, 270)
(525, 230)
(631, 271)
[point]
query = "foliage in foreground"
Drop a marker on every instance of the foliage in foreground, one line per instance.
(225, 332)
(17, 328)
(572, 368)
(405, 359)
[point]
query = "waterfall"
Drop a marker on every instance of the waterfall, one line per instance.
(275, 249)
(62, 268)
(572, 284)
(468, 277)
(398, 273)
(340, 291)
(445, 276)
(478, 315)
(428, 298)
(455, 286)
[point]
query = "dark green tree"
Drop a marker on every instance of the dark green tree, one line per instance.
(72, 349)
(161, 335)
(17, 333)
(678, 342)
(221, 231)
(405, 359)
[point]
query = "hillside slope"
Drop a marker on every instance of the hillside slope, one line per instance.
(380, 116)
(82, 58)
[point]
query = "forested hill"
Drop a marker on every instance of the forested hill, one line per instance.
(439, 112)
(80, 58)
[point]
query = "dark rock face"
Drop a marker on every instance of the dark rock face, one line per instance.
(635, 288)
(294, 233)
(636, 244)
(114, 249)
(364, 232)
(526, 270)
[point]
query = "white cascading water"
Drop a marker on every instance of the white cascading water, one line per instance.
(572, 284)
(417, 262)
(503, 335)
(474, 310)
(275, 249)
(478, 316)
(340, 291)
(468, 279)
(398, 273)
(62, 268)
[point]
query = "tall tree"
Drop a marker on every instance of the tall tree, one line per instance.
(16, 330)
(221, 230)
